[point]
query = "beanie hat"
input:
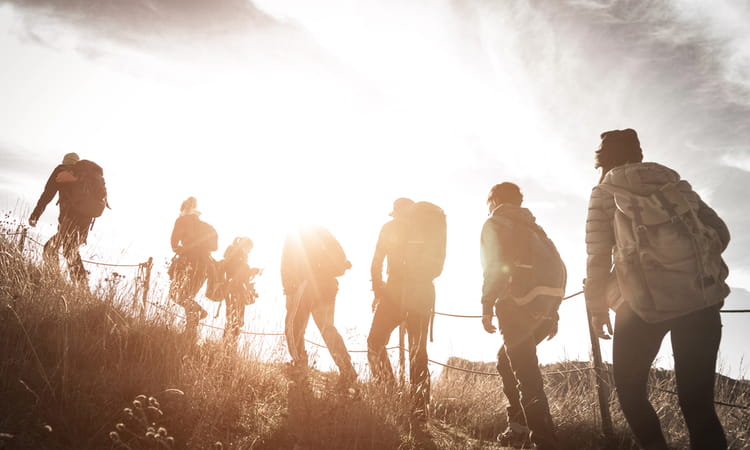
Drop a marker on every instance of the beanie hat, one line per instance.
(506, 192)
(618, 147)
(70, 158)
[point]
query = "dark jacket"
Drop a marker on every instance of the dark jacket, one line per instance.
(638, 178)
(50, 190)
(193, 237)
(514, 267)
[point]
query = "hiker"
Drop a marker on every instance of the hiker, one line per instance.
(311, 261)
(643, 218)
(413, 246)
(82, 197)
(237, 286)
(524, 282)
(192, 240)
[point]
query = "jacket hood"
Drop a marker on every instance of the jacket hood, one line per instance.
(641, 178)
(513, 212)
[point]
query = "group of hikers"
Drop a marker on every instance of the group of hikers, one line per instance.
(654, 258)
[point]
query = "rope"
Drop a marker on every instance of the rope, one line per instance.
(735, 310)
(86, 260)
(180, 316)
(731, 405)
(479, 317)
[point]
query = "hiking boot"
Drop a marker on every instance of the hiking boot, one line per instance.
(516, 436)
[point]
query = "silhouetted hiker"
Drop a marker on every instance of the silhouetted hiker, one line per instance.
(524, 282)
(192, 240)
(311, 261)
(665, 244)
(233, 277)
(82, 198)
(413, 245)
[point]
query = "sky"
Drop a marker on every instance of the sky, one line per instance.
(276, 113)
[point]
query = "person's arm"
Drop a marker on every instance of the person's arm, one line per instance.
(376, 268)
(50, 189)
(496, 271)
(600, 240)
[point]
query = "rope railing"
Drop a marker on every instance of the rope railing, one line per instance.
(479, 317)
(87, 260)
(448, 366)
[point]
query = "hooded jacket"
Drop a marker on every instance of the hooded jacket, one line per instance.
(641, 179)
(515, 254)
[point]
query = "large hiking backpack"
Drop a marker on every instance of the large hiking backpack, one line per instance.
(325, 254)
(538, 273)
(88, 195)
(425, 241)
(667, 261)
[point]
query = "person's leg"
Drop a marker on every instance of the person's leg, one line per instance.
(323, 315)
(695, 343)
(76, 234)
(386, 319)
(519, 333)
(417, 327)
(297, 316)
(634, 347)
(231, 327)
(510, 388)
(49, 253)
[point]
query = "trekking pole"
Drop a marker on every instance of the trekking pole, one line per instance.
(601, 379)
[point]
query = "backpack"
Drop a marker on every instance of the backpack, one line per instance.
(325, 253)
(667, 261)
(425, 241)
(206, 237)
(538, 273)
(88, 195)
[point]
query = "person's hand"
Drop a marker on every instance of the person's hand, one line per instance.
(32, 221)
(487, 324)
(600, 321)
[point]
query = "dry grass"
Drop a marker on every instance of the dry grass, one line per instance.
(79, 372)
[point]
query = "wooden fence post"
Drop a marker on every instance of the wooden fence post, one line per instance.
(401, 354)
(601, 379)
(146, 280)
(22, 240)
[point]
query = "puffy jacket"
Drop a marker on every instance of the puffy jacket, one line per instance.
(638, 178)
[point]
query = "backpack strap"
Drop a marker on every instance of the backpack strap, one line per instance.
(638, 225)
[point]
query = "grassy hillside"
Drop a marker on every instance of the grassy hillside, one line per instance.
(81, 372)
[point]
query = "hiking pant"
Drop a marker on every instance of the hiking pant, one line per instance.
(72, 232)
(298, 312)
(187, 274)
(518, 366)
(235, 318)
(388, 316)
(695, 343)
